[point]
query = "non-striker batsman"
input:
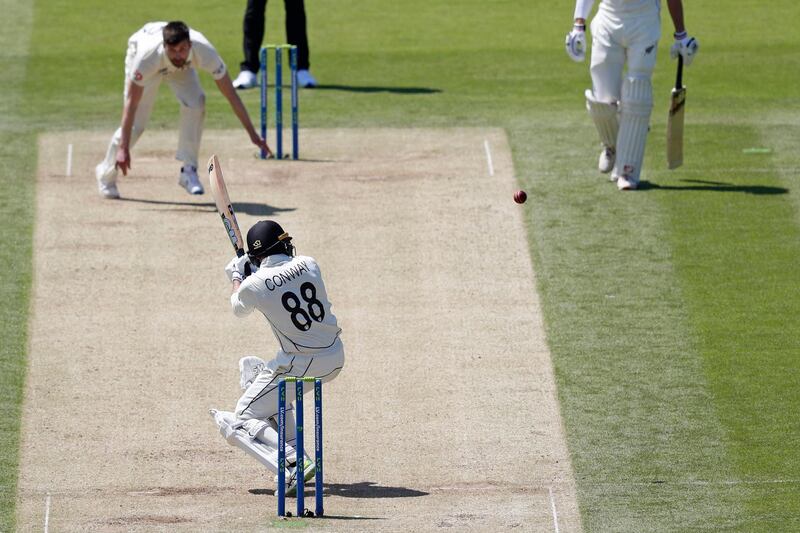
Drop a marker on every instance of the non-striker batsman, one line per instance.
(620, 101)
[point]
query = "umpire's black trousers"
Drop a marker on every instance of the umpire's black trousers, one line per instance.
(254, 32)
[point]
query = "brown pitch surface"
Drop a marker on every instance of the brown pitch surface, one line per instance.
(445, 414)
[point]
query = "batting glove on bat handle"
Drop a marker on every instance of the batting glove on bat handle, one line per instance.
(685, 46)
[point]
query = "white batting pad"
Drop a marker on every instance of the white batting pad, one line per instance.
(636, 106)
(237, 436)
(605, 119)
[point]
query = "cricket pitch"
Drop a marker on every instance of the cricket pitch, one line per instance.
(445, 414)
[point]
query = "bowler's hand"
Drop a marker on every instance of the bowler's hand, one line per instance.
(262, 145)
(123, 160)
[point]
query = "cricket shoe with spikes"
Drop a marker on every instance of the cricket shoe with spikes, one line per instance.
(106, 181)
(606, 162)
(190, 181)
(291, 476)
(625, 184)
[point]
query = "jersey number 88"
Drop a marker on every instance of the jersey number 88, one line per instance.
(314, 311)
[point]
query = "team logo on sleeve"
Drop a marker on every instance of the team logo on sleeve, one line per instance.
(137, 76)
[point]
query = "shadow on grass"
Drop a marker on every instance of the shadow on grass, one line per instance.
(712, 186)
(376, 89)
(364, 489)
(249, 208)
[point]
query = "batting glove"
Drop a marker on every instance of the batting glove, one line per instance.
(238, 268)
(576, 43)
(684, 46)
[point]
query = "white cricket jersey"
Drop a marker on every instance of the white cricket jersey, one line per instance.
(150, 62)
(629, 6)
(291, 295)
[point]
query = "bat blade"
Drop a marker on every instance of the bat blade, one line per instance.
(675, 128)
(677, 109)
(224, 207)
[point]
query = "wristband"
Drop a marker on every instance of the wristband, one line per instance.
(680, 35)
(579, 27)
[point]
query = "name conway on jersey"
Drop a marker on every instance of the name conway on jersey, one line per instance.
(289, 292)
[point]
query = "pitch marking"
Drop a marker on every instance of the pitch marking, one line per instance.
(69, 160)
(553, 507)
(488, 156)
(47, 508)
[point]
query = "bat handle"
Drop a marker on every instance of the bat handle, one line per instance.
(247, 269)
(679, 77)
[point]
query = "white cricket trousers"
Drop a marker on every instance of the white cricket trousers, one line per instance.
(260, 400)
(632, 37)
(186, 87)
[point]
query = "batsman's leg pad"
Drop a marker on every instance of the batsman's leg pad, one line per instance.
(236, 434)
(605, 119)
(266, 432)
(636, 106)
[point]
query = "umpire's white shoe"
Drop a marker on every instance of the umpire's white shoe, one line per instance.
(245, 80)
(106, 181)
(305, 79)
(190, 181)
(606, 162)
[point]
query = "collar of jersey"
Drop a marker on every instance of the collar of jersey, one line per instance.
(276, 259)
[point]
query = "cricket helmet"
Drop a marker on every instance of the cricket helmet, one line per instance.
(266, 238)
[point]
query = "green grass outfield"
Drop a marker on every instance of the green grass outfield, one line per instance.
(673, 313)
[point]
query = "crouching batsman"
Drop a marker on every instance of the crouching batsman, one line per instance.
(288, 290)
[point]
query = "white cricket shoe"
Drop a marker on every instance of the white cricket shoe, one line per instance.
(190, 181)
(291, 476)
(106, 181)
(245, 80)
(305, 79)
(625, 184)
(607, 158)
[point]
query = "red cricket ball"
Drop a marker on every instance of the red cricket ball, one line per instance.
(520, 197)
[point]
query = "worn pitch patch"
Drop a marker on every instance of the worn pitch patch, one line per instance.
(445, 414)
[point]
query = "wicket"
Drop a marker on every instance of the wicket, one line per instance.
(279, 48)
(300, 455)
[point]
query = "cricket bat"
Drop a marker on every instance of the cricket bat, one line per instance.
(675, 120)
(224, 207)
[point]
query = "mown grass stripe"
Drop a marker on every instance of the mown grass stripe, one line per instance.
(17, 154)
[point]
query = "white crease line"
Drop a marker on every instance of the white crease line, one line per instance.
(47, 508)
(488, 157)
(69, 160)
(553, 507)
(701, 482)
